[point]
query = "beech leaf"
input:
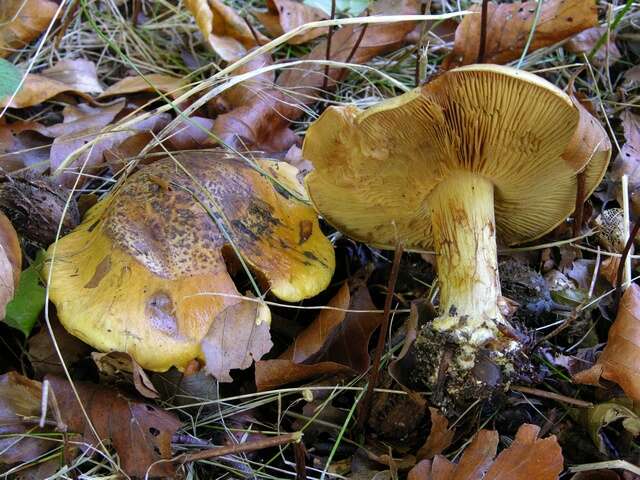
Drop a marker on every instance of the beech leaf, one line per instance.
(285, 15)
(508, 27)
(619, 362)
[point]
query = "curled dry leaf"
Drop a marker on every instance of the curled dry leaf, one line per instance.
(22, 21)
(145, 272)
(527, 458)
(509, 25)
(20, 398)
(619, 362)
(263, 124)
(222, 27)
(594, 419)
(151, 83)
(237, 337)
(10, 262)
(335, 342)
(284, 15)
(585, 41)
(139, 432)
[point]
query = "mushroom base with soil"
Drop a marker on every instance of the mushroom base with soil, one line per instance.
(464, 237)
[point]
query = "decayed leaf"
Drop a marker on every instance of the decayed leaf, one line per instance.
(139, 432)
(619, 362)
(151, 83)
(440, 436)
(22, 21)
(20, 398)
(335, 342)
(227, 33)
(527, 458)
(599, 416)
(284, 15)
(585, 41)
(508, 27)
(237, 337)
(10, 262)
(120, 364)
(264, 123)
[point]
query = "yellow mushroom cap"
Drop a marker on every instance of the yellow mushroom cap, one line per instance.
(374, 170)
(141, 273)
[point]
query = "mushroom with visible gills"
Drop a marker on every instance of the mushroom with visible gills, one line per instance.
(480, 150)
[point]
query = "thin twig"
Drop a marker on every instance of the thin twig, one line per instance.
(241, 447)
(423, 10)
(483, 31)
(252, 30)
(580, 198)
(135, 10)
(300, 454)
(551, 396)
(71, 14)
(327, 54)
(357, 44)
(375, 367)
(625, 253)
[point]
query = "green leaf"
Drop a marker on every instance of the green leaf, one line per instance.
(352, 7)
(23, 311)
(10, 78)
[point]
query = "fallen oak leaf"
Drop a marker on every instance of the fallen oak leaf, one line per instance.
(336, 342)
(619, 362)
(508, 27)
(139, 432)
(285, 15)
(225, 31)
(527, 458)
(22, 21)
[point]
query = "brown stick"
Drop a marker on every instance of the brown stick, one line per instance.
(135, 10)
(252, 30)
(552, 396)
(375, 367)
(300, 454)
(327, 55)
(580, 194)
(623, 259)
(241, 447)
(483, 31)
(358, 42)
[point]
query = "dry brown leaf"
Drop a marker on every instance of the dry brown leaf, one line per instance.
(114, 364)
(508, 27)
(43, 355)
(222, 27)
(628, 160)
(335, 342)
(139, 432)
(79, 75)
(22, 146)
(10, 262)
(37, 89)
(284, 15)
(151, 83)
(585, 41)
(237, 337)
(19, 398)
(440, 436)
(263, 124)
(619, 362)
(527, 458)
(22, 21)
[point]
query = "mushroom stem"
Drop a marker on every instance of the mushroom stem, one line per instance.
(464, 234)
